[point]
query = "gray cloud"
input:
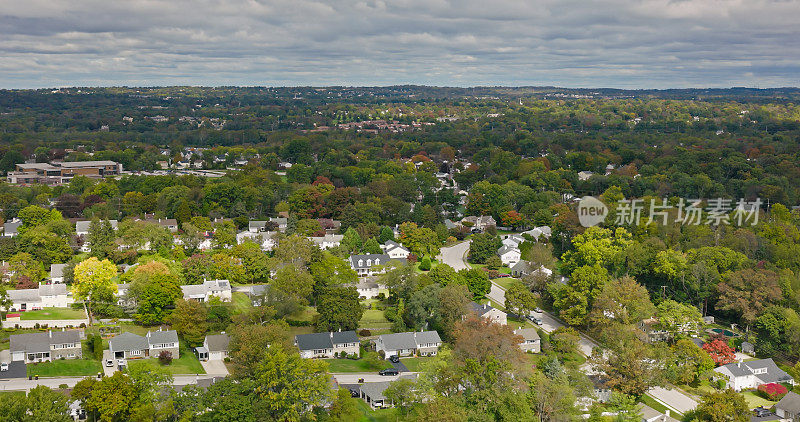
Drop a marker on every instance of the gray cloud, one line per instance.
(611, 43)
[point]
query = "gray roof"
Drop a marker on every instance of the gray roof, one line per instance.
(57, 270)
(505, 248)
(324, 340)
(206, 287)
(83, 225)
(162, 336)
(259, 289)
(257, 224)
(409, 340)
(480, 309)
(127, 341)
(40, 342)
(374, 390)
(382, 259)
(218, 342)
(790, 403)
(33, 295)
(773, 374)
(527, 333)
(11, 227)
(522, 266)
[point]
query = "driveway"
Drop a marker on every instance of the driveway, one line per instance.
(400, 366)
(108, 370)
(673, 399)
(214, 367)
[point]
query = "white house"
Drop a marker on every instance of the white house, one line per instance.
(492, 314)
(395, 250)
(82, 226)
(368, 289)
(44, 296)
(751, 374)
(328, 241)
(10, 228)
(479, 223)
(422, 343)
(327, 345)
(211, 288)
(215, 347)
(509, 255)
(530, 340)
(57, 273)
(584, 175)
(513, 240)
(267, 240)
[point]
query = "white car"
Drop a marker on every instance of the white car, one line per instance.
(109, 362)
(4, 366)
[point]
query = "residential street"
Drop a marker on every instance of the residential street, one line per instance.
(353, 377)
(54, 383)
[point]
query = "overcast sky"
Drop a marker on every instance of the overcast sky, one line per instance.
(571, 43)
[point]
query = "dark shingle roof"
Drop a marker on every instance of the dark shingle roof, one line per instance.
(790, 403)
(218, 343)
(324, 340)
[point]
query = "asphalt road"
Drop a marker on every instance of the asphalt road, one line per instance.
(25, 384)
(353, 377)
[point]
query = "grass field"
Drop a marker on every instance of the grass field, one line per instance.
(373, 318)
(186, 364)
(753, 400)
(380, 415)
(414, 364)
(53, 313)
(506, 282)
(240, 301)
(65, 368)
(646, 399)
(351, 365)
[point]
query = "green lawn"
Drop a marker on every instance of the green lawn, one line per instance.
(501, 270)
(186, 364)
(506, 282)
(373, 318)
(753, 400)
(379, 415)
(53, 313)
(352, 365)
(414, 364)
(241, 303)
(306, 315)
(65, 368)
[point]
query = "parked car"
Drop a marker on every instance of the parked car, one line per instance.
(4, 366)
(534, 319)
(389, 372)
(538, 310)
(394, 358)
(354, 393)
(109, 363)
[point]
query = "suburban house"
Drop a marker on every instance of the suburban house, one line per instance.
(530, 340)
(368, 265)
(282, 223)
(395, 250)
(422, 343)
(538, 233)
(584, 175)
(328, 241)
(82, 226)
(131, 346)
(256, 226)
(327, 345)
(509, 255)
(652, 415)
(751, 374)
(10, 228)
(204, 292)
(43, 347)
(372, 392)
(44, 296)
(513, 240)
(600, 390)
(648, 331)
(788, 407)
(170, 224)
(492, 314)
(330, 226)
(368, 289)
(479, 223)
(266, 240)
(57, 273)
(523, 268)
(215, 347)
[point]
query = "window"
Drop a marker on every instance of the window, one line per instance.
(758, 371)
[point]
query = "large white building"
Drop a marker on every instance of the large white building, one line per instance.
(44, 296)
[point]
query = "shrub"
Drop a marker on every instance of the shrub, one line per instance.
(494, 274)
(493, 262)
(382, 354)
(425, 264)
(772, 391)
(165, 357)
(381, 297)
(365, 333)
(226, 360)
(63, 386)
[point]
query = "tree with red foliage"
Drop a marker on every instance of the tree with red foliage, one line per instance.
(322, 180)
(511, 219)
(720, 352)
(772, 391)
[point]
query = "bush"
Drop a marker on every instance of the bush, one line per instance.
(425, 264)
(365, 333)
(227, 360)
(381, 296)
(63, 386)
(494, 262)
(165, 357)
(494, 274)
(772, 391)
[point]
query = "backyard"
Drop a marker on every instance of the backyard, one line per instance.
(53, 314)
(186, 364)
(65, 368)
(355, 365)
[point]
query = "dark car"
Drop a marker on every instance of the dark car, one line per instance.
(389, 372)
(394, 358)
(354, 393)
